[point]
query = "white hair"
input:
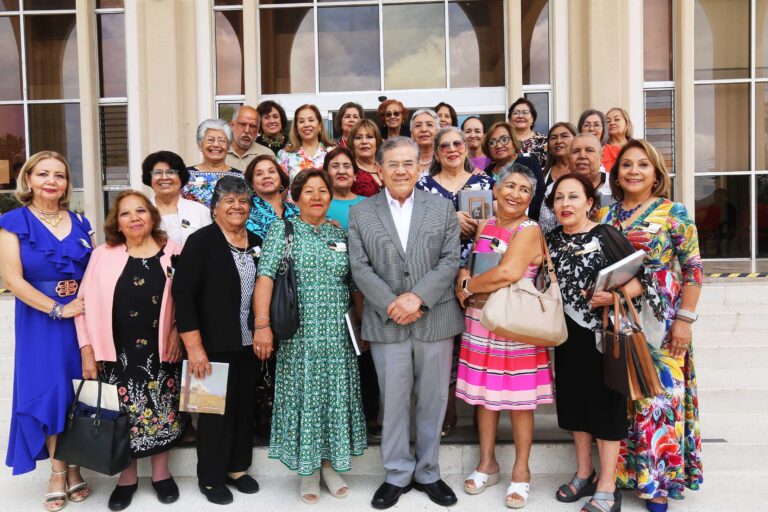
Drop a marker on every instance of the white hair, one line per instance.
(429, 111)
(213, 124)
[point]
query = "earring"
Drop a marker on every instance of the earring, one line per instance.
(656, 183)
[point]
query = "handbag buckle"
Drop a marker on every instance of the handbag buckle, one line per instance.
(66, 288)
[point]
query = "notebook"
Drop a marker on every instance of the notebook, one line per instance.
(207, 395)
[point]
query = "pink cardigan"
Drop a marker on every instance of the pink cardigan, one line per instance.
(94, 327)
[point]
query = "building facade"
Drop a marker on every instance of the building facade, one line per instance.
(106, 82)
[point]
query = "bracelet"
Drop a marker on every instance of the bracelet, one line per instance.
(261, 326)
(684, 319)
(56, 311)
(262, 318)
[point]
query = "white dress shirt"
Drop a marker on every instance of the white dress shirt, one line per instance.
(401, 214)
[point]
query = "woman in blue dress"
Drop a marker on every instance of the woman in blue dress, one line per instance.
(44, 249)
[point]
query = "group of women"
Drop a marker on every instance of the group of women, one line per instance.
(191, 273)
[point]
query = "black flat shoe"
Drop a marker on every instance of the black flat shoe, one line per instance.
(245, 484)
(167, 491)
(121, 497)
(438, 492)
(217, 494)
(387, 495)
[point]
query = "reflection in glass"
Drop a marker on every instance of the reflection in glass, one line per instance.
(472, 27)
(229, 52)
(761, 126)
(114, 144)
(723, 216)
(722, 127)
(51, 57)
(226, 111)
(721, 39)
(287, 50)
(660, 123)
(348, 48)
(57, 127)
(761, 39)
(9, 5)
(232, 2)
(12, 148)
(414, 46)
(761, 204)
(657, 40)
(540, 100)
(111, 33)
(10, 58)
(48, 5)
(110, 4)
(535, 28)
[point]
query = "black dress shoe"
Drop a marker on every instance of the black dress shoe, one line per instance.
(217, 494)
(167, 490)
(122, 496)
(245, 484)
(387, 495)
(438, 492)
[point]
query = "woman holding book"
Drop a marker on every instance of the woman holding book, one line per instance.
(213, 288)
(497, 373)
(128, 327)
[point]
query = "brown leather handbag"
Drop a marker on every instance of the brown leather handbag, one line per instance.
(627, 363)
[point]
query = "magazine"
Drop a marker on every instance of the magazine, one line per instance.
(208, 395)
(354, 330)
(477, 203)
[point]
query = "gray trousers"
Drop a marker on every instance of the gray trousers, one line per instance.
(423, 369)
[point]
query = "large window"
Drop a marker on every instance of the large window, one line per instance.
(536, 59)
(228, 67)
(731, 100)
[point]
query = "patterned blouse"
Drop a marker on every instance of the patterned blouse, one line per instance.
(296, 161)
(246, 263)
(536, 145)
(201, 184)
(263, 215)
(365, 185)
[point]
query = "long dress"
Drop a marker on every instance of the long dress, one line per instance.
(496, 372)
(148, 390)
(47, 355)
(318, 412)
(662, 453)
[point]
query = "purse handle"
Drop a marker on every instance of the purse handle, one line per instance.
(631, 308)
(287, 249)
(77, 399)
(546, 261)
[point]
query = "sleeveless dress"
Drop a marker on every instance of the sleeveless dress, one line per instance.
(496, 372)
(47, 355)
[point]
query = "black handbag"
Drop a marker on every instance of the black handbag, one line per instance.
(96, 439)
(284, 307)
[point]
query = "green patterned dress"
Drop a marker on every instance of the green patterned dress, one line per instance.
(318, 411)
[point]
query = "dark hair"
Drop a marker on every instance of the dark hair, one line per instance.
(363, 124)
(230, 185)
(383, 108)
(265, 107)
(472, 117)
(112, 234)
(594, 112)
(529, 104)
(454, 117)
(338, 150)
(343, 110)
(284, 179)
(303, 177)
(510, 130)
(550, 159)
(173, 160)
(589, 190)
(662, 184)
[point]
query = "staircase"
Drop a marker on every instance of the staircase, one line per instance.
(731, 347)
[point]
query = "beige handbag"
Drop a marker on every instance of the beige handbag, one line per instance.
(522, 313)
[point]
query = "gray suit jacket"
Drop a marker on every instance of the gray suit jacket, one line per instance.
(382, 270)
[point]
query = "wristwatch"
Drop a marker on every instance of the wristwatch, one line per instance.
(686, 316)
(464, 287)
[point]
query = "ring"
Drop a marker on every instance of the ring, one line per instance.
(258, 348)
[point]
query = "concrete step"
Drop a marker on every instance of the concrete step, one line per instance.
(735, 293)
(729, 319)
(730, 378)
(735, 357)
(729, 340)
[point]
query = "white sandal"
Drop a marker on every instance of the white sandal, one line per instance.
(520, 488)
(52, 497)
(481, 481)
(80, 491)
(310, 488)
(335, 484)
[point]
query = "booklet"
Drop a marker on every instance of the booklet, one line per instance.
(480, 262)
(477, 203)
(89, 394)
(354, 330)
(208, 395)
(620, 273)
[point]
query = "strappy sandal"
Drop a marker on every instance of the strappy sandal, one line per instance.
(583, 486)
(78, 492)
(50, 499)
(481, 480)
(310, 488)
(520, 488)
(600, 502)
(335, 484)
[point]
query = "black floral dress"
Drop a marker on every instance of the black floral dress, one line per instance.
(148, 389)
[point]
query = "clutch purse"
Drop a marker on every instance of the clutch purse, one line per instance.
(96, 439)
(284, 307)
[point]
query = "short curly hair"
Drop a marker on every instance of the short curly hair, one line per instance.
(112, 234)
(173, 160)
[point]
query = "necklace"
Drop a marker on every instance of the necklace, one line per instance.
(624, 215)
(51, 218)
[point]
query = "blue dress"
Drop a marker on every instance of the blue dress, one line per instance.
(47, 353)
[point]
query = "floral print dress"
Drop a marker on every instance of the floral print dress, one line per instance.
(662, 454)
(294, 162)
(148, 390)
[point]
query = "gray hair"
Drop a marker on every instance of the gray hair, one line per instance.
(213, 124)
(435, 167)
(425, 111)
(594, 112)
(517, 168)
(589, 135)
(238, 108)
(396, 142)
(229, 185)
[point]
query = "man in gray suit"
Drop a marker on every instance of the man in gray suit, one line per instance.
(404, 254)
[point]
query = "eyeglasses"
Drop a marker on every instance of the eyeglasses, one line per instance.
(501, 141)
(590, 126)
(394, 165)
(168, 173)
(393, 114)
(520, 112)
(216, 140)
(247, 126)
(446, 146)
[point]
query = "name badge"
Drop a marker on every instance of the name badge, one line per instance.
(85, 243)
(170, 271)
(592, 246)
(651, 227)
(185, 223)
(498, 246)
(337, 246)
